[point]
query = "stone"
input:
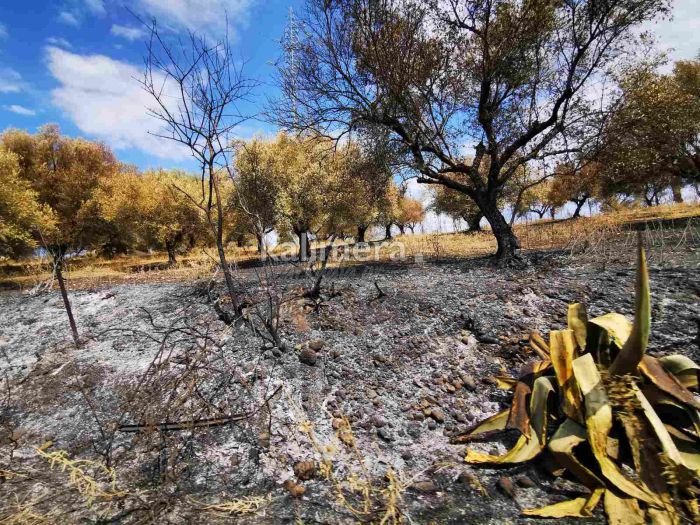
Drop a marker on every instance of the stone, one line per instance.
(424, 486)
(379, 421)
(308, 356)
(264, 439)
(437, 414)
(468, 381)
(525, 482)
(316, 344)
(295, 490)
(304, 470)
(432, 425)
(506, 486)
(488, 340)
(385, 434)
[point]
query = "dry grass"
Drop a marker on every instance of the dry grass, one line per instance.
(595, 237)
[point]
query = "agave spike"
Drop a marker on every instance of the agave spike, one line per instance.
(633, 350)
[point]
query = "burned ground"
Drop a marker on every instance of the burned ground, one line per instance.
(378, 377)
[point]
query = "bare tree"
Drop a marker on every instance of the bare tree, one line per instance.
(511, 78)
(197, 87)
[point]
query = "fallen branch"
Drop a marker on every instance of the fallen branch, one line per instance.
(195, 423)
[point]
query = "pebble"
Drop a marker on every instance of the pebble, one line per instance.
(437, 414)
(304, 470)
(308, 356)
(424, 486)
(316, 344)
(506, 486)
(385, 434)
(525, 482)
(468, 381)
(379, 421)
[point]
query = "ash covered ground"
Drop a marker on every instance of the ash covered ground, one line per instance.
(409, 369)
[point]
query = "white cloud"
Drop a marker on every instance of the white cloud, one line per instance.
(20, 110)
(130, 33)
(68, 18)
(10, 81)
(196, 15)
(96, 7)
(680, 35)
(60, 42)
(103, 98)
(3, 31)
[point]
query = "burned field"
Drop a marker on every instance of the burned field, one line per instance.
(165, 412)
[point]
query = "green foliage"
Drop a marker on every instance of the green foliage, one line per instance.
(63, 173)
(653, 138)
(22, 217)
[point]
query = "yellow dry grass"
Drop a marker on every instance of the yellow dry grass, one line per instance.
(587, 234)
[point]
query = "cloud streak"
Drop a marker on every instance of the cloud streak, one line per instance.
(20, 110)
(102, 97)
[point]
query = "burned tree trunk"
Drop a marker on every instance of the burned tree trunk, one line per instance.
(58, 270)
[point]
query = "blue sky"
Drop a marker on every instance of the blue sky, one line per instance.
(73, 61)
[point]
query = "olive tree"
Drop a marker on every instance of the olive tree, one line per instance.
(508, 78)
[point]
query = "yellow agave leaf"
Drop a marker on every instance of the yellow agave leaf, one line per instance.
(578, 318)
(563, 351)
(575, 508)
(518, 417)
(505, 382)
(494, 423)
(567, 437)
(599, 423)
(667, 443)
(617, 325)
(653, 370)
(539, 346)
(632, 352)
(622, 511)
(663, 517)
(683, 368)
(530, 445)
(689, 453)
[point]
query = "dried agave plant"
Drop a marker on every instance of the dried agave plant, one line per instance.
(624, 424)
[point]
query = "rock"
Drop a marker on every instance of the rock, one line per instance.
(385, 434)
(406, 455)
(505, 485)
(437, 414)
(467, 478)
(295, 490)
(264, 439)
(525, 482)
(432, 425)
(304, 470)
(468, 381)
(424, 486)
(316, 344)
(308, 356)
(379, 421)
(488, 340)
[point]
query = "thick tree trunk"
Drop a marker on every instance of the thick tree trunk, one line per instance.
(387, 232)
(473, 221)
(361, 231)
(170, 247)
(508, 245)
(261, 242)
(676, 188)
(402, 229)
(58, 266)
(304, 246)
(579, 204)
